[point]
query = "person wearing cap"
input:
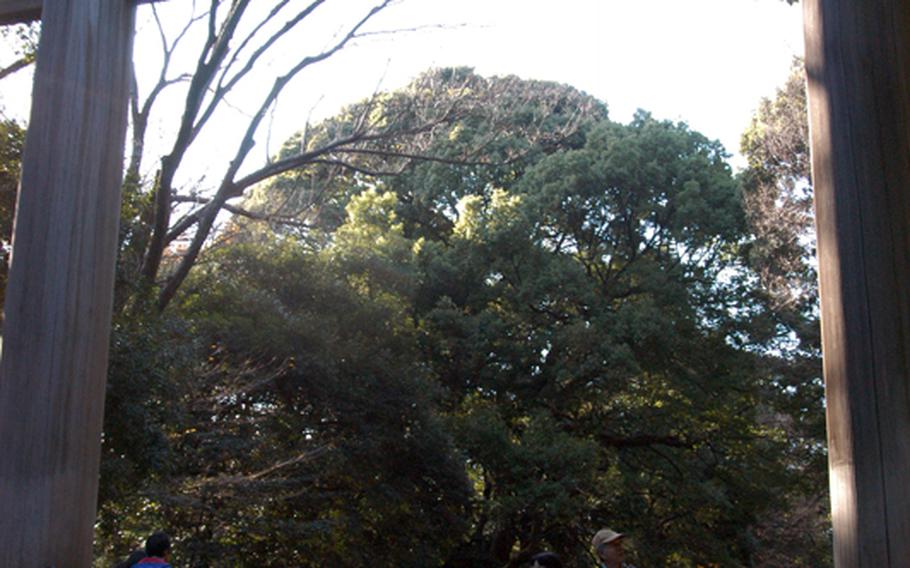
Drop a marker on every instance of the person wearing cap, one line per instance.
(608, 548)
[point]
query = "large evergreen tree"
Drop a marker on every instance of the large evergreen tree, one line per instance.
(778, 203)
(397, 358)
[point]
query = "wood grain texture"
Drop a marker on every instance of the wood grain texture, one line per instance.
(59, 293)
(857, 57)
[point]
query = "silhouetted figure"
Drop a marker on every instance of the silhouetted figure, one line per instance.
(132, 559)
(546, 560)
(157, 552)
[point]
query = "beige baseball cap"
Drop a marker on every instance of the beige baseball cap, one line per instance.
(605, 536)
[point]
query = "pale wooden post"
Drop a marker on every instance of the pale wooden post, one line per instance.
(59, 293)
(858, 66)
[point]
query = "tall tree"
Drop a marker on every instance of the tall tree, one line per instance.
(304, 434)
(503, 124)
(558, 333)
(311, 204)
(583, 326)
(778, 195)
(232, 47)
(237, 39)
(778, 202)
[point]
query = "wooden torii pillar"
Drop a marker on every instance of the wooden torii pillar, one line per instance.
(59, 293)
(858, 69)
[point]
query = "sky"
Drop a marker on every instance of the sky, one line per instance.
(705, 62)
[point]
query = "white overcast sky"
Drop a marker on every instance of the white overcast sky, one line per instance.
(706, 62)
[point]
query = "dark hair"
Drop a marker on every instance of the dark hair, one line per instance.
(157, 544)
(547, 560)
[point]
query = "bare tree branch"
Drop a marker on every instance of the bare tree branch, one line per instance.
(20, 63)
(360, 169)
(244, 479)
(425, 157)
(228, 187)
(369, 143)
(213, 53)
(233, 209)
(222, 89)
(184, 223)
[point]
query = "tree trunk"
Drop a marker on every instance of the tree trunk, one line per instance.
(58, 303)
(858, 66)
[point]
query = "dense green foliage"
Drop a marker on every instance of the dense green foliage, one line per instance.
(778, 204)
(539, 323)
(303, 434)
(12, 140)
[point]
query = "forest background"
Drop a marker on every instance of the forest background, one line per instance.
(455, 323)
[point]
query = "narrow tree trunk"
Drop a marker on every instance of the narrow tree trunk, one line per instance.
(858, 65)
(58, 302)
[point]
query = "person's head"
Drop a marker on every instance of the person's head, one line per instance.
(157, 545)
(545, 560)
(608, 547)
